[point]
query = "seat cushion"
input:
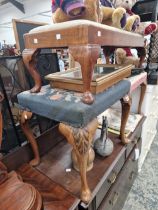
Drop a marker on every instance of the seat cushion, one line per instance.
(137, 80)
(66, 106)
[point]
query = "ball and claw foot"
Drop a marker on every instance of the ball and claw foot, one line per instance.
(35, 162)
(86, 196)
(35, 89)
(87, 97)
(126, 140)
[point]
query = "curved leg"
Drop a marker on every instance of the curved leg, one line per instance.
(29, 58)
(126, 105)
(142, 94)
(25, 116)
(81, 139)
(87, 56)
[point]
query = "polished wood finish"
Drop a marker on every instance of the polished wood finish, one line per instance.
(81, 139)
(25, 116)
(16, 195)
(53, 195)
(81, 32)
(56, 160)
(84, 39)
(29, 58)
(142, 94)
(55, 163)
(126, 105)
(87, 56)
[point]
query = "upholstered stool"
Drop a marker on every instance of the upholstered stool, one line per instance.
(78, 121)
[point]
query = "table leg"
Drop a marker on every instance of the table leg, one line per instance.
(87, 56)
(25, 116)
(142, 94)
(81, 139)
(126, 105)
(29, 58)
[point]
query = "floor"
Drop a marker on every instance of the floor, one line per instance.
(144, 193)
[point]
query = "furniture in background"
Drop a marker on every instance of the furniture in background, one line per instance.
(12, 81)
(148, 11)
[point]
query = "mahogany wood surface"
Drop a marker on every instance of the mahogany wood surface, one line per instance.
(58, 159)
(53, 195)
(87, 56)
(29, 58)
(80, 32)
(55, 163)
(17, 195)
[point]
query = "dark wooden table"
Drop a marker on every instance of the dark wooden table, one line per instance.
(61, 189)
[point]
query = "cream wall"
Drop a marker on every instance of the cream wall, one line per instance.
(35, 10)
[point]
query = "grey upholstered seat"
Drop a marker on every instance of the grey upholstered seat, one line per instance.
(66, 106)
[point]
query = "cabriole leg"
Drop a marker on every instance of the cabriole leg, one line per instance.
(87, 56)
(81, 139)
(25, 116)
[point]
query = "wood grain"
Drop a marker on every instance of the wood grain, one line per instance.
(16, 195)
(81, 33)
(53, 195)
(55, 163)
(81, 140)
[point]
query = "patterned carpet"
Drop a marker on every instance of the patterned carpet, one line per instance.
(144, 193)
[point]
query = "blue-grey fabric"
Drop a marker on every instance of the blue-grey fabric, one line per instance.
(66, 106)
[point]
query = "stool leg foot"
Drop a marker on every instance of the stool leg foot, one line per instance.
(81, 139)
(25, 116)
(126, 105)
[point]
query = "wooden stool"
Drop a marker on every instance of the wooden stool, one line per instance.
(17, 195)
